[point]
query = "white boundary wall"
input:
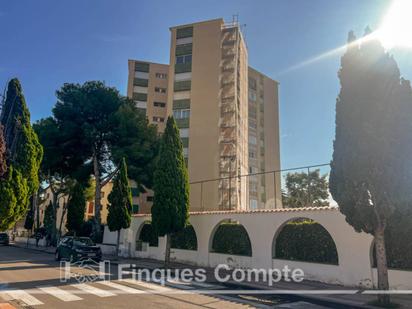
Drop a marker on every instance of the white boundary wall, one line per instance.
(354, 249)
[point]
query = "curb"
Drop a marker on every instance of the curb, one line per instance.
(319, 300)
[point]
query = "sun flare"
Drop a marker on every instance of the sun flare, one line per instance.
(396, 28)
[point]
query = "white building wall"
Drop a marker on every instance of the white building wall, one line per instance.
(353, 248)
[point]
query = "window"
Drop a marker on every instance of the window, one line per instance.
(161, 75)
(253, 204)
(252, 140)
(159, 104)
(252, 154)
(252, 95)
(160, 90)
(158, 119)
(102, 194)
(181, 113)
(184, 59)
(149, 198)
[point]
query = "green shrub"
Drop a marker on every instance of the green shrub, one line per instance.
(185, 239)
(231, 238)
(148, 234)
(305, 240)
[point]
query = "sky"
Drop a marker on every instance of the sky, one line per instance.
(46, 43)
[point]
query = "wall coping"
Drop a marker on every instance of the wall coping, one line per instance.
(279, 210)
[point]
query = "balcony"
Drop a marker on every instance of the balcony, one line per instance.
(141, 67)
(183, 67)
(182, 85)
(181, 104)
(182, 123)
(184, 49)
(140, 82)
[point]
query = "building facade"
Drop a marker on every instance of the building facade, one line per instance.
(207, 85)
(264, 148)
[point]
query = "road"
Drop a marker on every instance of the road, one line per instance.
(32, 279)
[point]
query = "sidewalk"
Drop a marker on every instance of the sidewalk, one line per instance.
(50, 250)
(334, 294)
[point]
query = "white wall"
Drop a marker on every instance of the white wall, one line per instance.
(353, 248)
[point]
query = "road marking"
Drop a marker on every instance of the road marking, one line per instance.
(121, 287)
(93, 290)
(60, 294)
(179, 284)
(24, 297)
(151, 286)
(207, 285)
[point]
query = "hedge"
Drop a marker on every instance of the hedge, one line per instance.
(231, 238)
(307, 241)
(148, 234)
(185, 239)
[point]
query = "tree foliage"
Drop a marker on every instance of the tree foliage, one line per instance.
(98, 127)
(14, 198)
(23, 156)
(3, 165)
(120, 202)
(306, 190)
(371, 172)
(170, 210)
(76, 207)
(29, 222)
(49, 219)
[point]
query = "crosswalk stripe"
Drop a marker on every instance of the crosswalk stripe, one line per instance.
(148, 285)
(25, 297)
(93, 290)
(207, 285)
(121, 287)
(179, 284)
(60, 294)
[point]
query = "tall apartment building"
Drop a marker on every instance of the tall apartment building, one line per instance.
(207, 93)
(264, 189)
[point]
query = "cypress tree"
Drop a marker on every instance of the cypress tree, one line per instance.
(76, 207)
(371, 172)
(3, 165)
(23, 153)
(170, 210)
(49, 220)
(14, 198)
(29, 222)
(120, 204)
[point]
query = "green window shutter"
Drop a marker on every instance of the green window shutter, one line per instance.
(182, 123)
(185, 142)
(140, 97)
(186, 32)
(182, 85)
(141, 67)
(181, 104)
(183, 67)
(184, 49)
(140, 82)
(135, 209)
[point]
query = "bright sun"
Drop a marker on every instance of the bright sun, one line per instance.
(396, 29)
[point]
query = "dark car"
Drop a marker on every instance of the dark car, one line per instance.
(77, 249)
(4, 239)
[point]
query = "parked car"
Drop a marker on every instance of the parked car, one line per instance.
(4, 239)
(77, 249)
